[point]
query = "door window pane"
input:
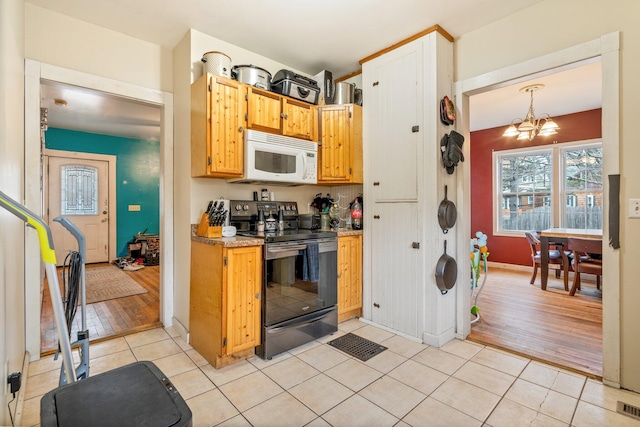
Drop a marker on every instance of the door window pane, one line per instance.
(78, 190)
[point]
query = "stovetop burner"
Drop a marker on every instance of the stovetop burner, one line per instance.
(244, 216)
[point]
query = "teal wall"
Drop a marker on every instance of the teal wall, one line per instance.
(137, 177)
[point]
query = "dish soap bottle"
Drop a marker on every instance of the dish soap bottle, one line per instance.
(356, 215)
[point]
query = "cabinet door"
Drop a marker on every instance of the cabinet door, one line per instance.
(217, 118)
(243, 278)
(299, 119)
(393, 110)
(226, 147)
(263, 110)
(396, 290)
(349, 274)
(335, 139)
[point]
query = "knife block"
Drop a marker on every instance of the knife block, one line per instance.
(206, 230)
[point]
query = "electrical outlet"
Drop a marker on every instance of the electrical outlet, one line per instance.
(134, 208)
(634, 208)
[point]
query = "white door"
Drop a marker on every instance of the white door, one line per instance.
(79, 190)
(393, 122)
(396, 291)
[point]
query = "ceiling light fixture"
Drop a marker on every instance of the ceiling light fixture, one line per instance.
(531, 126)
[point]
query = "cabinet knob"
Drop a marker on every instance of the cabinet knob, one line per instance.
(376, 83)
(376, 305)
(284, 116)
(376, 183)
(415, 245)
(258, 296)
(376, 217)
(240, 129)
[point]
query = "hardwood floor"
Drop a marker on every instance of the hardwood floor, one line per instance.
(549, 326)
(112, 318)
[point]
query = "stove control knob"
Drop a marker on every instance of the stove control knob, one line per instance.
(238, 207)
(287, 207)
(245, 207)
(293, 207)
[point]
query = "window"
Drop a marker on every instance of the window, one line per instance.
(582, 173)
(79, 190)
(532, 183)
(525, 185)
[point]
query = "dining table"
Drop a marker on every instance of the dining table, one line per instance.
(559, 235)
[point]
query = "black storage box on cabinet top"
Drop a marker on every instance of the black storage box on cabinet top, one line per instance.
(288, 83)
(138, 394)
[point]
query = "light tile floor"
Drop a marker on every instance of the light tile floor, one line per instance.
(410, 384)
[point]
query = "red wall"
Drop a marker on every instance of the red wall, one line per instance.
(514, 250)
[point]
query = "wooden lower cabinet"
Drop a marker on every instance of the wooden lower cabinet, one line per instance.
(349, 277)
(224, 316)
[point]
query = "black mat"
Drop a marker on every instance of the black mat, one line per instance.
(356, 346)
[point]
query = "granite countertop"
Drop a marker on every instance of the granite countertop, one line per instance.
(229, 242)
(241, 241)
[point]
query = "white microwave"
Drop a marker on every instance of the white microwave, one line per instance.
(278, 159)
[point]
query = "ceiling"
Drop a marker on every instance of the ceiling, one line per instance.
(337, 34)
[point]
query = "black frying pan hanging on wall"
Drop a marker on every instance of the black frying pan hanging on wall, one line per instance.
(446, 271)
(447, 213)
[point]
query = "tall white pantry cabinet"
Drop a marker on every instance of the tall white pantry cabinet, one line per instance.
(404, 184)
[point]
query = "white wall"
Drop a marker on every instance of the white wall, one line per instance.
(560, 24)
(57, 39)
(12, 229)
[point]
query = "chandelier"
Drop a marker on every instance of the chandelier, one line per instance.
(531, 126)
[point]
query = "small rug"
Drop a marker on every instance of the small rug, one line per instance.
(105, 283)
(357, 346)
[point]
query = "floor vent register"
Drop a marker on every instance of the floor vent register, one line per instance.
(356, 346)
(629, 410)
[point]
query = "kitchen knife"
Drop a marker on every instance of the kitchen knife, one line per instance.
(212, 213)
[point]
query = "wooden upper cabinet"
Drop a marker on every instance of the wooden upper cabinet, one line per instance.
(263, 110)
(340, 151)
(299, 119)
(217, 124)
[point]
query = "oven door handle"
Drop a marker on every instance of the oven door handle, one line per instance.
(318, 318)
(287, 249)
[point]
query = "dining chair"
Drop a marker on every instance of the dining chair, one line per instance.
(585, 259)
(558, 259)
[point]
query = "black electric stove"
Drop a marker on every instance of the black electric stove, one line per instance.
(299, 277)
(244, 216)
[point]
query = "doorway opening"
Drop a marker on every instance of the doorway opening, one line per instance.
(155, 280)
(607, 51)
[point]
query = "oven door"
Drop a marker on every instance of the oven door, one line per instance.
(299, 279)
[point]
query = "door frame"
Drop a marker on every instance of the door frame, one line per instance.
(36, 71)
(607, 48)
(111, 194)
